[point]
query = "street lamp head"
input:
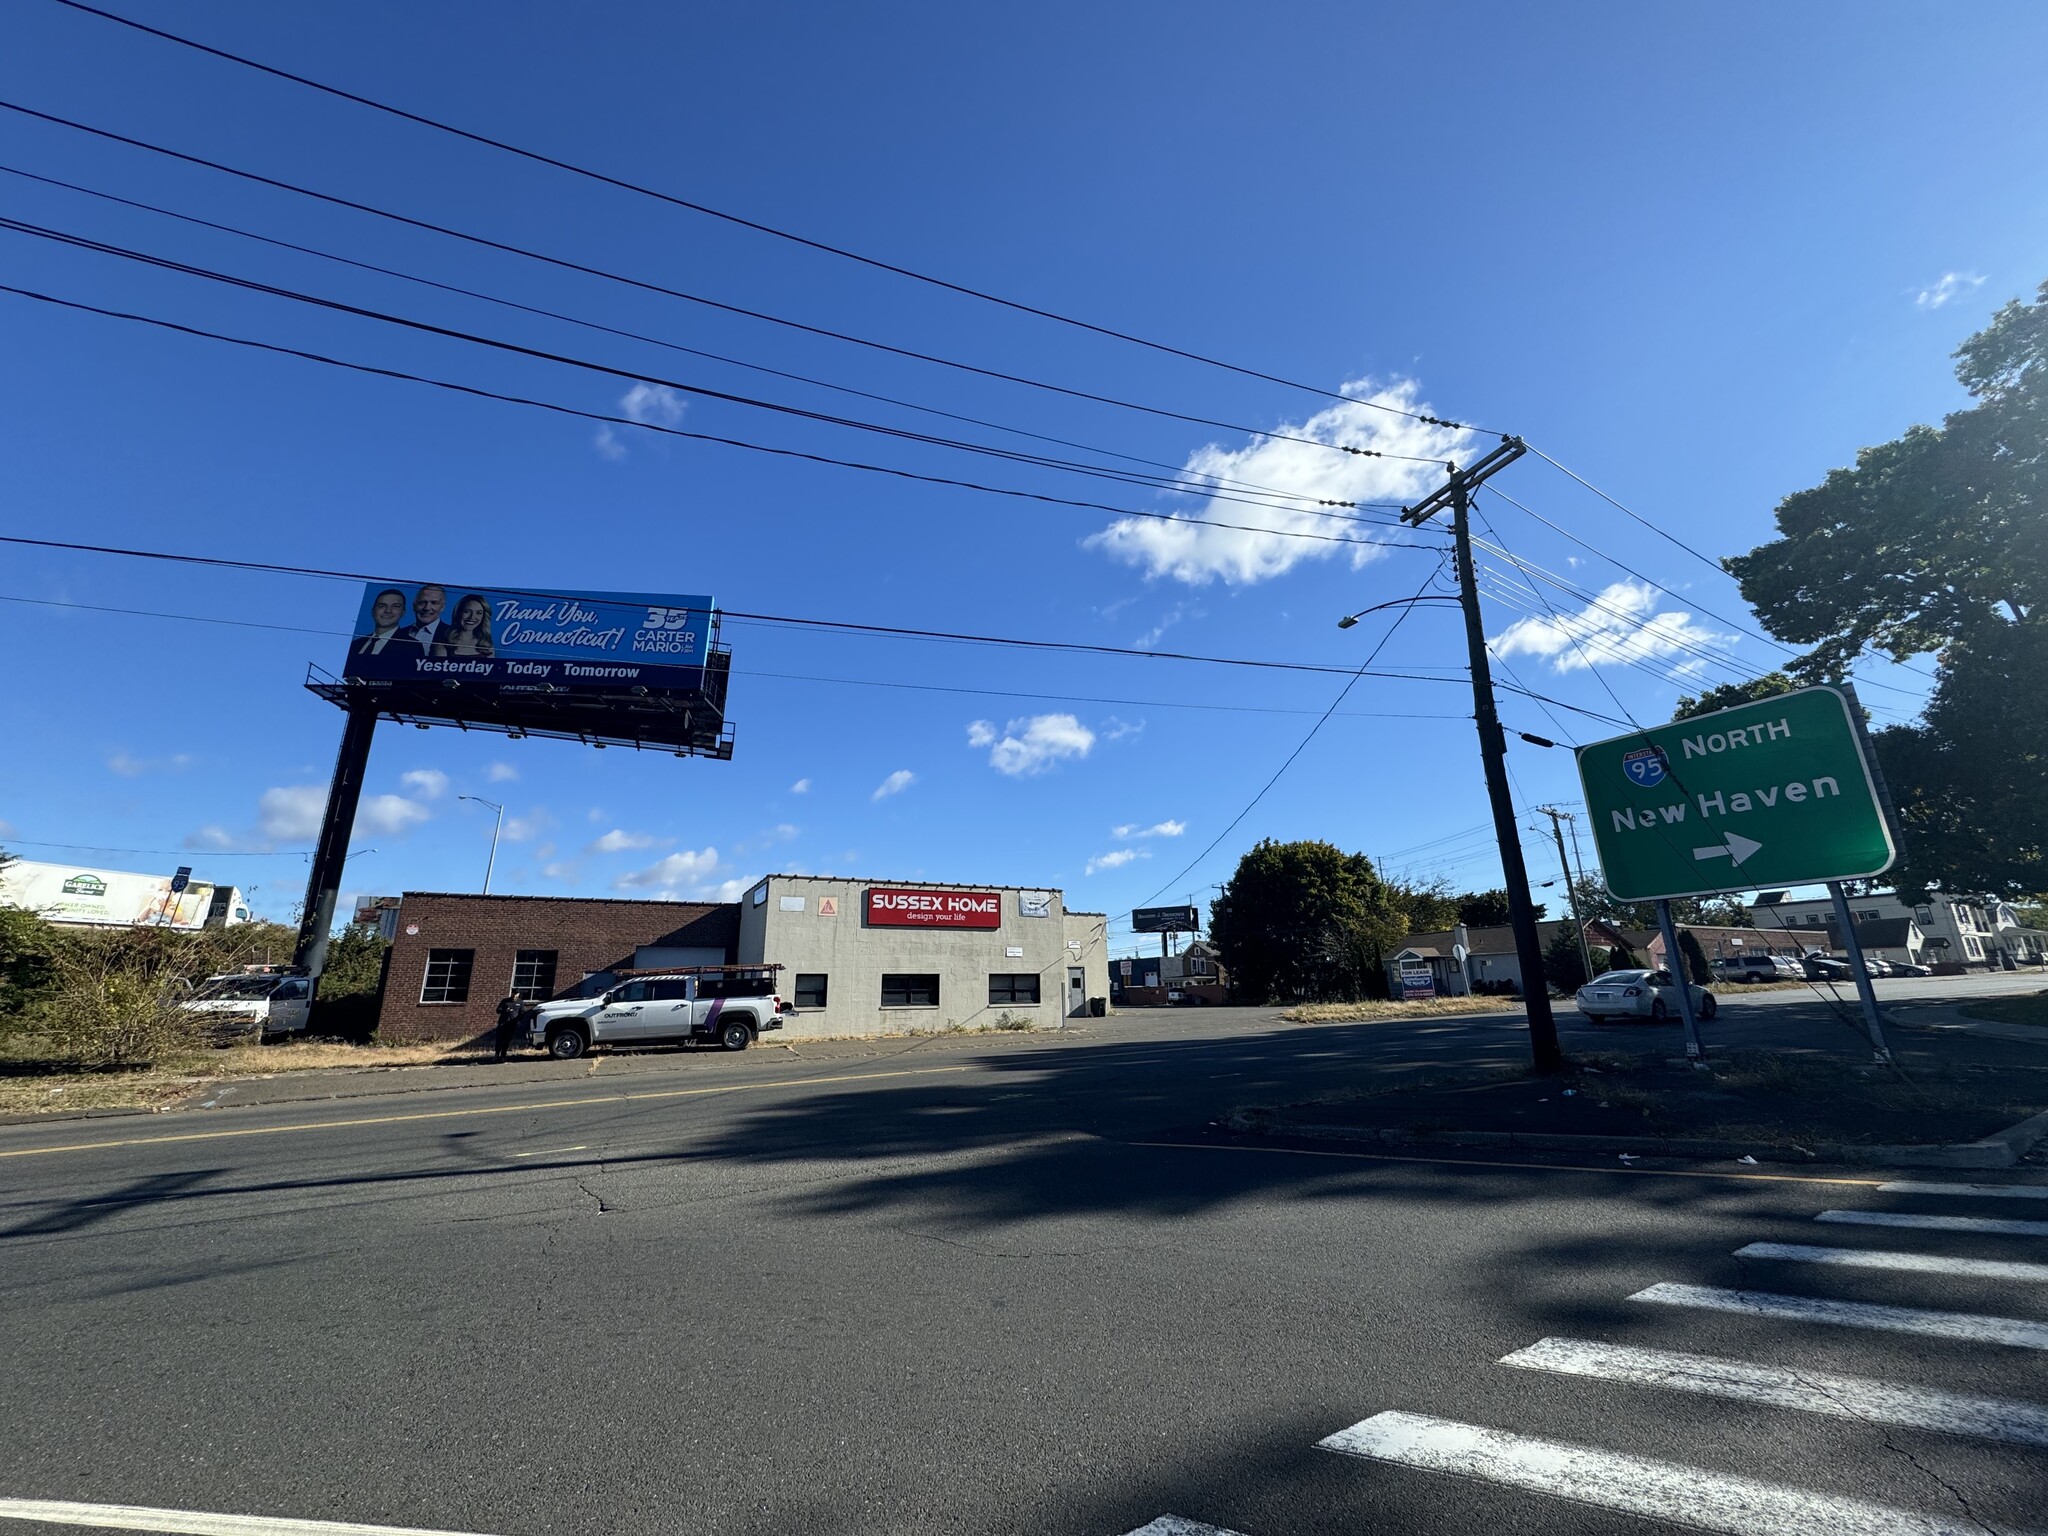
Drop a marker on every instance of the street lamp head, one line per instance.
(1347, 621)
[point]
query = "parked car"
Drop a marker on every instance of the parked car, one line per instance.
(264, 1002)
(1903, 968)
(1877, 965)
(730, 1004)
(1755, 968)
(1820, 967)
(1639, 995)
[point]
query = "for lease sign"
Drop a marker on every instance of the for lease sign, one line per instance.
(897, 907)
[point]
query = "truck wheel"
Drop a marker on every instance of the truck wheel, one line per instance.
(566, 1044)
(735, 1036)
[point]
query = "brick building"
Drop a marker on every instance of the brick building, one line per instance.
(454, 956)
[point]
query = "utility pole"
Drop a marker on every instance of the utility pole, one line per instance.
(1557, 820)
(1456, 494)
(492, 863)
(330, 853)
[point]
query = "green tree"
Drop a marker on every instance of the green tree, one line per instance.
(351, 986)
(1429, 908)
(1728, 695)
(1937, 543)
(1563, 965)
(1695, 957)
(1489, 909)
(1306, 921)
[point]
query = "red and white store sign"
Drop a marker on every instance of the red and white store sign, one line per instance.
(895, 907)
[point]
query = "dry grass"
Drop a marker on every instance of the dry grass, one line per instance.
(1374, 1013)
(35, 1081)
(2029, 1008)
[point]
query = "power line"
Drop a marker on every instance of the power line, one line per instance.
(795, 677)
(1176, 483)
(1667, 591)
(758, 227)
(709, 303)
(667, 431)
(843, 626)
(1302, 746)
(678, 386)
(209, 853)
(1181, 478)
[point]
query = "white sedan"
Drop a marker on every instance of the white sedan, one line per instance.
(1639, 995)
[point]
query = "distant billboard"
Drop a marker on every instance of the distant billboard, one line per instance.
(642, 668)
(104, 898)
(1166, 920)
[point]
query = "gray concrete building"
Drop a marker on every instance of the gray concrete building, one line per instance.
(864, 957)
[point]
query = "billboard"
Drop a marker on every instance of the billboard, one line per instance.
(104, 898)
(896, 907)
(1166, 920)
(640, 668)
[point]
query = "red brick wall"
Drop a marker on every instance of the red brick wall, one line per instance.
(587, 935)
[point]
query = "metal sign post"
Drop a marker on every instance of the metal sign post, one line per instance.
(1864, 991)
(1674, 958)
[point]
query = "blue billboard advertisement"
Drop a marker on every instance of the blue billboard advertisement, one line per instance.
(549, 642)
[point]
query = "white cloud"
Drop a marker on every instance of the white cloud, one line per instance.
(501, 773)
(8, 829)
(129, 766)
(291, 813)
(1157, 829)
(1117, 859)
(651, 405)
(427, 783)
(800, 787)
(207, 840)
(1033, 745)
(521, 829)
(1114, 729)
(1157, 632)
(388, 815)
(567, 873)
(784, 832)
(665, 875)
(1952, 285)
(618, 840)
(1620, 627)
(1262, 546)
(895, 784)
(730, 890)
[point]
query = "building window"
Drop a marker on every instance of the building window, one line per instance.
(447, 976)
(533, 975)
(1924, 916)
(910, 991)
(1019, 987)
(1866, 917)
(1972, 948)
(810, 990)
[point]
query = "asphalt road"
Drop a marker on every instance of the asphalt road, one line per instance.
(989, 1285)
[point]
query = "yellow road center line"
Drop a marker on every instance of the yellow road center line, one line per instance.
(1480, 1162)
(459, 1114)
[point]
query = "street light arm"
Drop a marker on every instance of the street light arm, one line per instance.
(1350, 619)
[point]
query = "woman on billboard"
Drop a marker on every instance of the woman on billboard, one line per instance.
(470, 634)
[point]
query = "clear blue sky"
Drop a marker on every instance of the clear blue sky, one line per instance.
(1699, 256)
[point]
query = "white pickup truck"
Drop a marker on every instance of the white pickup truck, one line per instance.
(732, 1005)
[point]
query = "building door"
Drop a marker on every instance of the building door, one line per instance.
(1077, 992)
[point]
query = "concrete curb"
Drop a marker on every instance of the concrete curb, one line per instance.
(2003, 1149)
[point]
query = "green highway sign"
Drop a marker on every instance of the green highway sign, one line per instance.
(1772, 793)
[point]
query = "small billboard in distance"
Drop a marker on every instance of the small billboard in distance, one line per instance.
(1166, 920)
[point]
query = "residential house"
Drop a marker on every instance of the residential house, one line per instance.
(1955, 929)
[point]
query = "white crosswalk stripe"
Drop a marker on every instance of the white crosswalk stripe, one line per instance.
(1965, 1327)
(1913, 1263)
(1177, 1525)
(1991, 1225)
(1824, 1392)
(1641, 1485)
(1973, 1191)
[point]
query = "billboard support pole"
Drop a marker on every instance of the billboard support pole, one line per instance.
(1864, 990)
(323, 880)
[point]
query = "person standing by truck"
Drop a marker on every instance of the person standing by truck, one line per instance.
(509, 1012)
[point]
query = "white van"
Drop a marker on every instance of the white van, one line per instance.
(266, 1001)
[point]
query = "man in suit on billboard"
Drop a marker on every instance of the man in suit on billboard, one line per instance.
(384, 638)
(427, 627)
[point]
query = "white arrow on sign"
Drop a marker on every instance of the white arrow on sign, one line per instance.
(1736, 847)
